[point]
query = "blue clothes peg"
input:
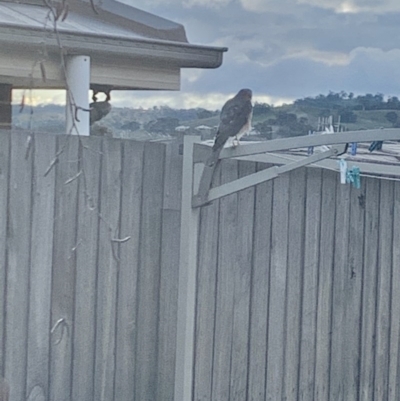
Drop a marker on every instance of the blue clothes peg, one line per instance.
(349, 176)
(354, 148)
(376, 145)
(353, 177)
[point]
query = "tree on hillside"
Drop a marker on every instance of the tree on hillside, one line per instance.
(347, 115)
(392, 117)
(264, 129)
(371, 102)
(325, 113)
(291, 126)
(260, 109)
(284, 118)
(393, 103)
(203, 113)
(163, 125)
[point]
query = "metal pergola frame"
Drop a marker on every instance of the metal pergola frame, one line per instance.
(197, 192)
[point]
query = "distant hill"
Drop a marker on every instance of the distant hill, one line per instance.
(361, 112)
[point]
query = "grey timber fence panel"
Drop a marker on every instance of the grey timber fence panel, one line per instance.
(80, 267)
(368, 323)
(227, 262)
(294, 282)
(4, 183)
(108, 266)
(277, 295)
(18, 261)
(168, 298)
(149, 273)
(384, 268)
(352, 296)
(64, 268)
(86, 271)
(260, 290)
(131, 203)
(169, 272)
(297, 292)
(242, 287)
(310, 284)
(322, 308)
(206, 297)
(40, 269)
(340, 277)
(394, 351)
(324, 300)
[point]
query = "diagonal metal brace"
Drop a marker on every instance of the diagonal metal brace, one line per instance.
(206, 195)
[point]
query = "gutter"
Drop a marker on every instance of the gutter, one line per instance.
(180, 54)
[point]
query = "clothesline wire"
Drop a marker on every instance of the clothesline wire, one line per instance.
(337, 170)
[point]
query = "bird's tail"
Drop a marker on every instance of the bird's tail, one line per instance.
(213, 158)
(216, 150)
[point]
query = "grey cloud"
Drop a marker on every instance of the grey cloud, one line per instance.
(292, 48)
(379, 7)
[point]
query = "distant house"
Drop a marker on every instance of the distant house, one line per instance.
(182, 128)
(203, 128)
(205, 131)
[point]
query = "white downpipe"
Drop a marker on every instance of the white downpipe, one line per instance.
(78, 84)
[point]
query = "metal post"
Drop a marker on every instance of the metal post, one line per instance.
(187, 277)
(78, 85)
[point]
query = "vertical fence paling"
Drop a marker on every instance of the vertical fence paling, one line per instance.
(149, 272)
(259, 303)
(64, 268)
(86, 271)
(394, 374)
(242, 287)
(18, 261)
(43, 192)
(206, 297)
(309, 284)
(297, 193)
(169, 273)
(131, 203)
(4, 183)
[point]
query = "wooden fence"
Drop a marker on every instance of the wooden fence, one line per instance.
(298, 285)
(299, 290)
(88, 314)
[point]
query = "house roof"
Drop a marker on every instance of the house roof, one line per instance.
(122, 21)
(112, 31)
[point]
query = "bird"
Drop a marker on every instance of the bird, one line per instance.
(235, 121)
(98, 110)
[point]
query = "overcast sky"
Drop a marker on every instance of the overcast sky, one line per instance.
(287, 49)
(283, 49)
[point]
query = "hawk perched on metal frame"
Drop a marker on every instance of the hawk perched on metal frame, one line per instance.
(235, 121)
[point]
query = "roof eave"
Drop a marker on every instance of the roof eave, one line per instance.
(183, 55)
